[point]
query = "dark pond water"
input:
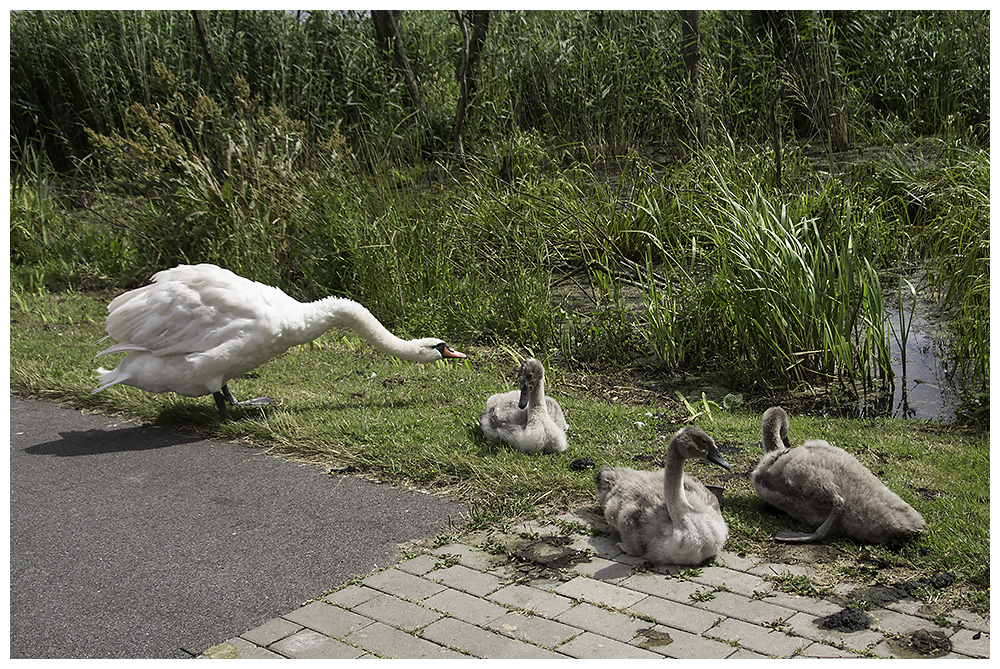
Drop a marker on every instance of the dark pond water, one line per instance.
(926, 388)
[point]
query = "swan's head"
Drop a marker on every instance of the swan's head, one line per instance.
(431, 349)
(528, 377)
(693, 442)
(774, 429)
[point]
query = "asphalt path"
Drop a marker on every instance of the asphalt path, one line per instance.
(131, 541)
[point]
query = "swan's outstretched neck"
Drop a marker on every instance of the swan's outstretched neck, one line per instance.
(340, 312)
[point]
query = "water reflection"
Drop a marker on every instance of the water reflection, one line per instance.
(925, 387)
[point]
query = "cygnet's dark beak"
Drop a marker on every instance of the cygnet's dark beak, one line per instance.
(523, 400)
(716, 458)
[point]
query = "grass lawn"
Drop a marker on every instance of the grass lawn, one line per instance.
(339, 403)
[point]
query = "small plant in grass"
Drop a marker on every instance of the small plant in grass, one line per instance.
(798, 584)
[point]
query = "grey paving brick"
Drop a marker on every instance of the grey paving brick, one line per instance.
(602, 546)
(611, 624)
(403, 585)
(351, 596)
(465, 607)
(309, 644)
(969, 620)
(327, 618)
(821, 650)
(604, 570)
(732, 605)
(744, 654)
(482, 643)
(736, 561)
(397, 612)
(730, 579)
(271, 631)
(594, 646)
(238, 648)
(971, 643)
(389, 642)
(778, 569)
(804, 624)
(908, 606)
(530, 599)
(684, 645)
(533, 629)
(420, 565)
(902, 623)
(889, 648)
(471, 556)
(541, 528)
(759, 639)
(675, 615)
(677, 589)
(817, 607)
(581, 517)
(468, 580)
(599, 592)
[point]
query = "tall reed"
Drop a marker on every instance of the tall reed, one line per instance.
(788, 302)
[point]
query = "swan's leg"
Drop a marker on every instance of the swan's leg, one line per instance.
(821, 532)
(226, 395)
(255, 402)
(220, 402)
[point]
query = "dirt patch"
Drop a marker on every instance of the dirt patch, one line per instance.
(845, 620)
(651, 638)
(921, 644)
(878, 596)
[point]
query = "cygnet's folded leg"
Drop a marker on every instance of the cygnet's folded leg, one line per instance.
(820, 533)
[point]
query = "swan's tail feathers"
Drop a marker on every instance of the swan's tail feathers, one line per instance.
(107, 377)
(118, 348)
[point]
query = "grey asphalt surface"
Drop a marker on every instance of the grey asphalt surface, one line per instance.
(131, 541)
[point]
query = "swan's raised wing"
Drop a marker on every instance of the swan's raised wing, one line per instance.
(189, 311)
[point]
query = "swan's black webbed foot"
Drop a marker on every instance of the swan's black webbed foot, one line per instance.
(226, 395)
(255, 402)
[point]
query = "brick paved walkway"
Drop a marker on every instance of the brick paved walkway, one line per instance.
(560, 590)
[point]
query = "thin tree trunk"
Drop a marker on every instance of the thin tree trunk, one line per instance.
(390, 41)
(691, 56)
(463, 86)
(206, 51)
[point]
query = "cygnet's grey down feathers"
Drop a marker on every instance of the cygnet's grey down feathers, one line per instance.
(525, 418)
(827, 488)
(666, 516)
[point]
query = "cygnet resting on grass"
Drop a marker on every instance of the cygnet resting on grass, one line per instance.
(827, 488)
(666, 517)
(526, 419)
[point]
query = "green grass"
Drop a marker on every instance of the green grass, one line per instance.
(340, 403)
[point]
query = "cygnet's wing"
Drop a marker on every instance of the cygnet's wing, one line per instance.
(698, 494)
(503, 410)
(556, 413)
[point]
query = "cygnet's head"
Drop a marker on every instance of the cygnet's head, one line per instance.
(774, 429)
(528, 377)
(605, 479)
(694, 442)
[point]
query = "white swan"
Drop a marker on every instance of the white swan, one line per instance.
(666, 517)
(195, 327)
(526, 419)
(826, 487)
